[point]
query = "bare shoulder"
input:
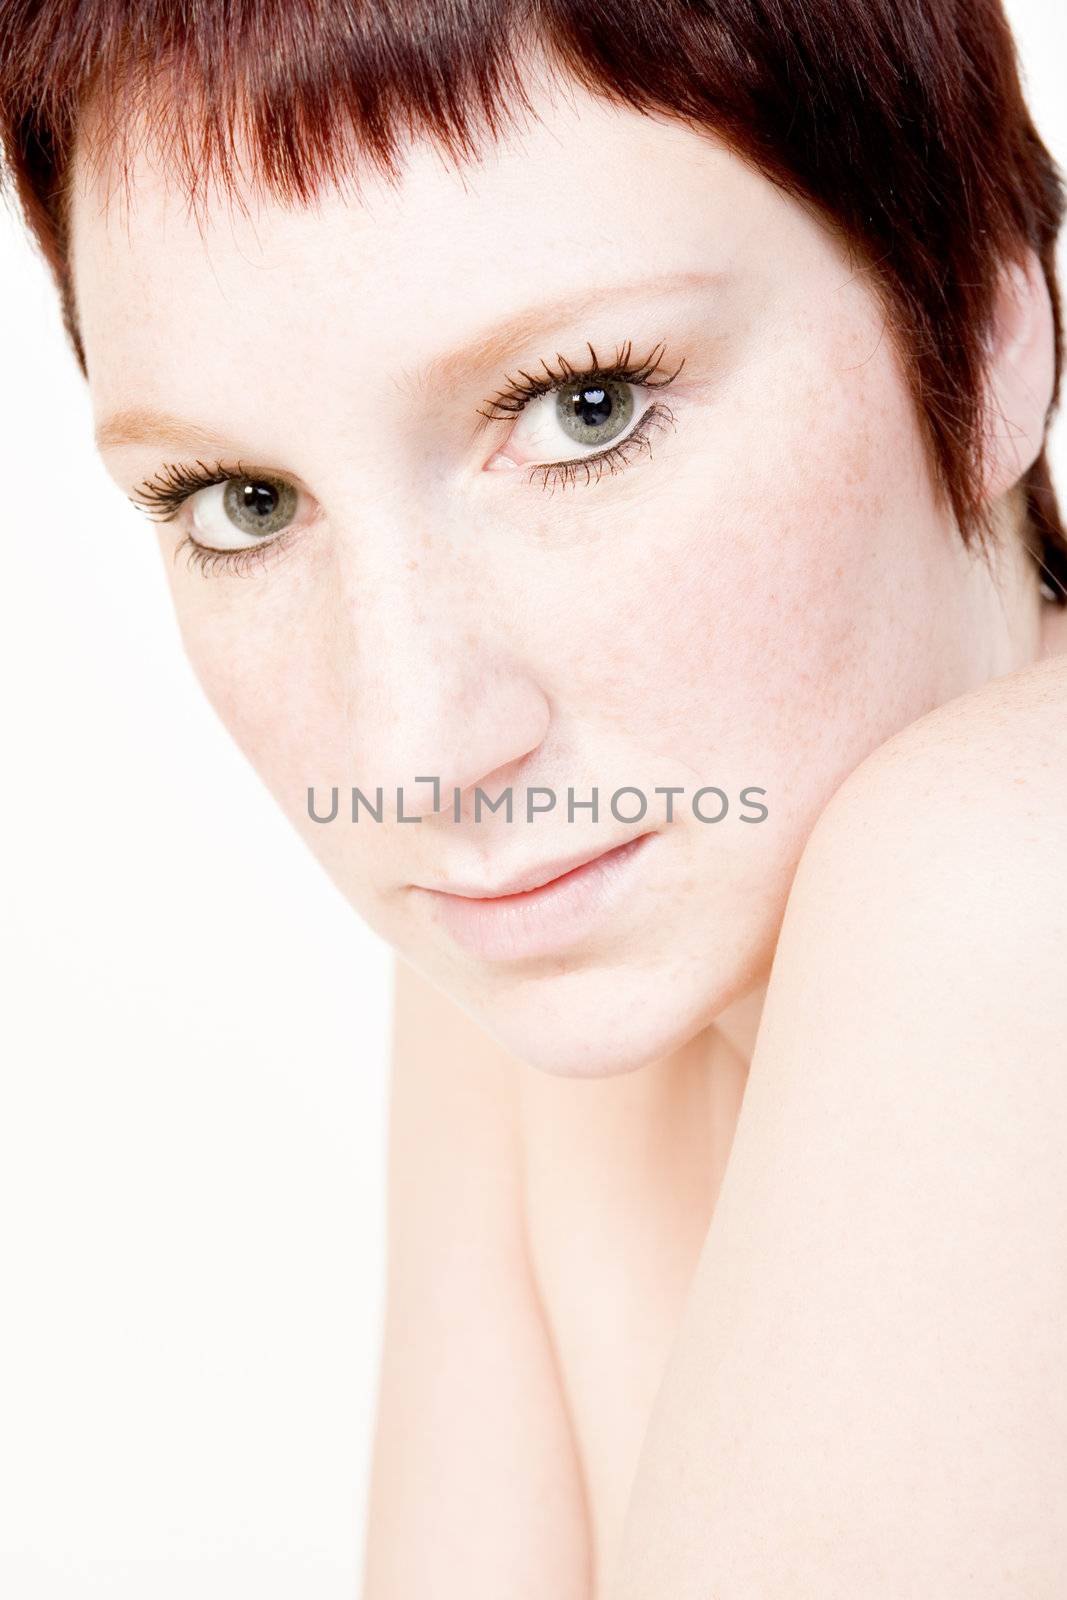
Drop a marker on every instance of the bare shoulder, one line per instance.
(867, 1394)
(955, 832)
(1012, 731)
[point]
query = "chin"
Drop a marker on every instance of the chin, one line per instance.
(598, 1022)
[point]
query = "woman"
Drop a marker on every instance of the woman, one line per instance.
(645, 407)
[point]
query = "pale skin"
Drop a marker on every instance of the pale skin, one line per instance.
(628, 1354)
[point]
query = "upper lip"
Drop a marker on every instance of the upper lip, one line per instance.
(532, 878)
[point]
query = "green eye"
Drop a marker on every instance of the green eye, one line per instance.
(258, 506)
(594, 413)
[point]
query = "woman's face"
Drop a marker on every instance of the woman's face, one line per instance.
(751, 589)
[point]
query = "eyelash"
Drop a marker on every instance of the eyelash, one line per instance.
(519, 391)
(163, 496)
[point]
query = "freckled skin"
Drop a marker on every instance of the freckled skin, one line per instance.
(762, 600)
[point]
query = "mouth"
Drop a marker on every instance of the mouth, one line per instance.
(540, 911)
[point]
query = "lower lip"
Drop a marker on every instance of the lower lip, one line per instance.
(540, 921)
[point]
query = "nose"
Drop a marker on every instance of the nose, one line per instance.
(435, 691)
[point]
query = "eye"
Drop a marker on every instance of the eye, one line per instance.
(594, 413)
(241, 512)
(582, 415)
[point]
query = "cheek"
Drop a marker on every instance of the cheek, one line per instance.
(772, 619)
(269, 672)
(264, 667)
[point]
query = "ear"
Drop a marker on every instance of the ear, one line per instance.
(1020, 374)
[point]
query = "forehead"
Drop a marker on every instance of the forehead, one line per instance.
(587, 195)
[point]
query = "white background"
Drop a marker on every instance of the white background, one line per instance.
(193, 1035)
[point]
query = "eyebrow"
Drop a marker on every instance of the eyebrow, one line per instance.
(516, 332)
(147, 425)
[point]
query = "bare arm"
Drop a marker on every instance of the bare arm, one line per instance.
(475, 1491)
(868, 1392)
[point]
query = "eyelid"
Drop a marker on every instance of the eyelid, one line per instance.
(243, 561)
(651, 374)
(162, 496)
(520, 390)
(611, 459)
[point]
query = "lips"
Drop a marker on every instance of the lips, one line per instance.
(532, 878)
(554, 906)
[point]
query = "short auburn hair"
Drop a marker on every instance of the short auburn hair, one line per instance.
(902, 123)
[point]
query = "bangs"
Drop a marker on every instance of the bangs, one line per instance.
(278, 94)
